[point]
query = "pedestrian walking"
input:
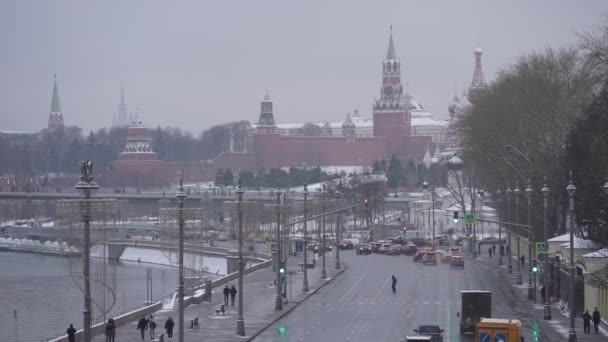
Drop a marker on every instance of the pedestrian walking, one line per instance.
(523, 260)
(596, 320)
(72, 333)
(110, 330)
(494, 248)
(226, 294)
(142, 326)
(232, 294)
(394, 286)
(508, 251)
(490, 252)
(152, 326)
(586, 321)
(542, 293)
(169, 327)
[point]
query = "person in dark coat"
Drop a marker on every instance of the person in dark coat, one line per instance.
(586, 321)
(169, 327)
(110, 330)
(142, 326)
(394, 286)
(232, 294)
(226, 294)
(490, 252)
(72, 333)
(542, 293)
(596, 320)
(523, 260)
(152, 326)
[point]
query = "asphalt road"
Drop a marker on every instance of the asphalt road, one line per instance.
(360, 305)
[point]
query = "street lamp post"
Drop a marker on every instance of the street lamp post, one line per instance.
(547, 307)
(433, 200)
(87, 186)
(305, 267)
(531, 292)
(278, 305)
(516, 191)
(510, 259)
(323, 193)
(338, 228)
(571, 189)
(500, 246)
(181, 195)
(240, 321)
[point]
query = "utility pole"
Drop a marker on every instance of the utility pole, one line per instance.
(500, 246)
(571, 189)
(516, 191)
(181, 195)
(278, 305)
(531, 240)
(510, 259)
(240, 321)
(305, 265)
(338, 228)
(547, 307)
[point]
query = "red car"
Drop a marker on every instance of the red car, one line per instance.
(419, 255)
(410, 250)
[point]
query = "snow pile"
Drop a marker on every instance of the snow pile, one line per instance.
(215, 265)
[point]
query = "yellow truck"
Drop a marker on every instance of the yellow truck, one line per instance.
(498, 330)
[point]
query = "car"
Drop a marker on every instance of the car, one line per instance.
(432, 330)
(385, 247)
(376, 246)
(345, 244)
(457, 261)
(429, 258)
(394, 250)
(363, 248)
(398, 241)
(411, 249)
(417, 338)
(419, 255)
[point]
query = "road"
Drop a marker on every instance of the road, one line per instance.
(360, 305)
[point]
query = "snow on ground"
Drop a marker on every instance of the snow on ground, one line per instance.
(215, 265)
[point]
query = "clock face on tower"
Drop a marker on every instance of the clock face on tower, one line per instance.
(388, 90)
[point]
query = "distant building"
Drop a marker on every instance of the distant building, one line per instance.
(55, 116)
(121, 117)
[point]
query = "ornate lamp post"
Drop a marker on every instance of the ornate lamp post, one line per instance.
(87, 187)
(531, 292)
(278, 305)
(516, 191)
(500, 246)
(509, 258)
(571, 189)
(240, 321)
(305, 267)
(181, 195)
(547, 307)
(323, 271)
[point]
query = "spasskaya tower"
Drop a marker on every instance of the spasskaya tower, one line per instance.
(391, 114)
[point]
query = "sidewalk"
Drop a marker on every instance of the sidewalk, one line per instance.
(558, 327)
(258, 301)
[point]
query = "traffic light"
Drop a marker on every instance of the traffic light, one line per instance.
(455, 217)
(281, 330)
(534, 266)
(365, 201)
(282, 268)
(404, 228)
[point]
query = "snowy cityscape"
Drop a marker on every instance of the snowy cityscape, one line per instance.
(273, 171)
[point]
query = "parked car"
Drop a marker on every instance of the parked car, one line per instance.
(363, 248)
(457, 261)
(345, 244)
(411, 249)
(432, 330)
(376, 246)
(429, 258)
(385, 247)
(419, 255)
(394, 250)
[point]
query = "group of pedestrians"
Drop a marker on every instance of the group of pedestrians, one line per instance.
(229, 292)
(143, 325)
(491, 250)
(146, 324)
(587, 318)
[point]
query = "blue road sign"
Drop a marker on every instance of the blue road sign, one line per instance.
(540, 256)
(485, 337)
(469, 218)
(541, 247)
(274, 247)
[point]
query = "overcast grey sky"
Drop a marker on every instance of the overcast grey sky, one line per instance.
(194, 64)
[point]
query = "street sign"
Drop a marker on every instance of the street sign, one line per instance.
(541, 248)
(274, 247)
(540, 256)
(469, 218)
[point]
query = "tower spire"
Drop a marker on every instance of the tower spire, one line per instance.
(479, 80)
(55, 103)
(390, 54)
(122, 115)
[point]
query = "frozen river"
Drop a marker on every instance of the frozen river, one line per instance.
(47, 295)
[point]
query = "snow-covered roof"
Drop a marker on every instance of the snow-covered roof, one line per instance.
(602, 253)
(580, 243)
(561, 238)
(417, 122)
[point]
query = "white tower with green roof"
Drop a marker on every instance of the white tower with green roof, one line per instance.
(55, 116)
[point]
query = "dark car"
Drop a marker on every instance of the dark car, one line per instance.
(410, 250)
(434, 331)
(394, 250)
(419, 255)
(363, 248)
(345, 244)
(457, 261)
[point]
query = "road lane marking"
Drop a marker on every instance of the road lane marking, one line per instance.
(352, 288)
(381, 289)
